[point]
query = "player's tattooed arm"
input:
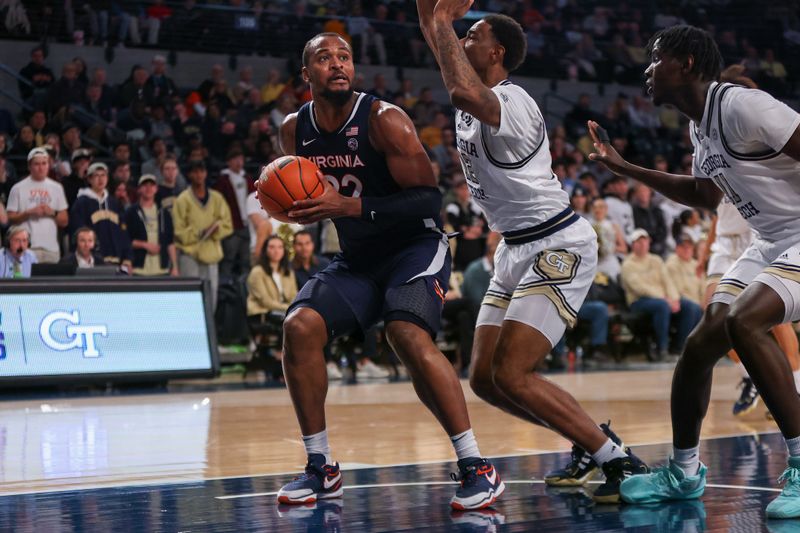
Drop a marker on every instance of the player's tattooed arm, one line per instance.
(467, 91)
(286, 134)
(425, 15)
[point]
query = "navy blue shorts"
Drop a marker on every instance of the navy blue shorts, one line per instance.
(408, 285)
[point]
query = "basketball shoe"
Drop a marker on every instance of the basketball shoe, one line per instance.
(748, 400)
(616, 471)
(787, 505)
(666, 483)
(581, 467)
(480, 485)
(319, 481)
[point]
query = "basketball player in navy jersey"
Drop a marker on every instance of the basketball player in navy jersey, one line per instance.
(395, 263)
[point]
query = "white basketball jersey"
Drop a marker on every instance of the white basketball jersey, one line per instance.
(738, 144)
(509, 169)
(729, 222)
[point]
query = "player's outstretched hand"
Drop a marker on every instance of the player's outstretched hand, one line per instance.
(329, 204)
(605, 154)
(452, 9)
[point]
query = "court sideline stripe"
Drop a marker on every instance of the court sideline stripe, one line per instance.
(433, 483)
(177, 481)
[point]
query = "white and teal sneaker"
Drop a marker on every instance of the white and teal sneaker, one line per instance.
(663, 484)
(787, 505)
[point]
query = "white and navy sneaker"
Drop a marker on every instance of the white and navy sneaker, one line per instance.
(320, 481)
(480, 485)
(748, 400)
(581, 467)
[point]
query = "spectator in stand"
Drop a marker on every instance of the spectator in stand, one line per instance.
(67, 91)
(650, 218)
(157, 150)
(406, 94)
(157, 16)
(172, 183)
(431, 134)
(24, 142)
(466, 217)
(202, 219)
(579, 201)
(245, 83)
(620, 212)
(425, 109)
(610, 242)
(38, 122)
(446, 153)
(380, 88)
(159, 88)
(478, 273)
(133, 88)
(151, 233)
(16, 259)
(160, 124)
(575, 120)
(305, 262)
(364, 36)
(122, 153)
(286, 104)
(688, 223)
(234, 184)
(84, 255)
(122, 177)
(95, 105)
(3, 214)
(682, 268)
(258, 224)
(38, 75)
(38, 204)
(273, 88)
(134, 121)
(7, 180)
(70, 140)
(99, 79)
(649, 289)
(96, 208)
(774, 75)
(217, 74)
(81, 159)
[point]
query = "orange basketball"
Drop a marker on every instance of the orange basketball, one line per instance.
(286, 180)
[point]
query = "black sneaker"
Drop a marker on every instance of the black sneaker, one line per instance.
(616, 471)
(748, 400)
(581, 467)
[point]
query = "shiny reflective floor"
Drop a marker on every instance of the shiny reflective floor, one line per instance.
(212, 460)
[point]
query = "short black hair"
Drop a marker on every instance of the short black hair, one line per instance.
(683, 41)
(509, 34)
(307, 47)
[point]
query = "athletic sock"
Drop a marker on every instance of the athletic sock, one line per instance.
(465, 445)
(687, 460)
(796, 375)
(318, 443)
(794, 446)
(608, 452)
(742, 370)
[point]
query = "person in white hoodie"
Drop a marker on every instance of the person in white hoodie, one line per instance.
(95, 208)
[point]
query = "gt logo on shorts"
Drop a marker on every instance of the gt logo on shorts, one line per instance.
(556, 265)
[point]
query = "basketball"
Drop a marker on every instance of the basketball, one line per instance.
(286, 180)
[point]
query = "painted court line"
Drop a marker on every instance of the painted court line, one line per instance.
(435, 483)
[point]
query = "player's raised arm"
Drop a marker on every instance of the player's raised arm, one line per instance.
(286, 134)
(466, 89)
(425, 15)
(686, 190)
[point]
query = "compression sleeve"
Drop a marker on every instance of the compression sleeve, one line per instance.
(411, 203)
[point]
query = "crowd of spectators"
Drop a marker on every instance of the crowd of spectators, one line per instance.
(602, 41)
(158, 179)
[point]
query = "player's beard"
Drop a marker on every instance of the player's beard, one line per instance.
(337, 98)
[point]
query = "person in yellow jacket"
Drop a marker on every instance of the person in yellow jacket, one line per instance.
(202, 219)
(650, 290)
(271, 287)
(682, 268)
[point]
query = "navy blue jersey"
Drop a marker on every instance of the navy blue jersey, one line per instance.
(355, 168)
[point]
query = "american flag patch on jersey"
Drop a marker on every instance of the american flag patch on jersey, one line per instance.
(351, 131)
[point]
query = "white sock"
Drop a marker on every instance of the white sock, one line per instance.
(608, 452)
(687, 460)
(794, 446)
(465, 445)
(318, 443)
(796, 375)
(742, 370)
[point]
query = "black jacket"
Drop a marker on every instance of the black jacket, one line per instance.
(134, 221)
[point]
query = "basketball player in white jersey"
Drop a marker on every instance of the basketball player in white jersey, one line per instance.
(729, 237)
(747, 147)
(548, 257)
